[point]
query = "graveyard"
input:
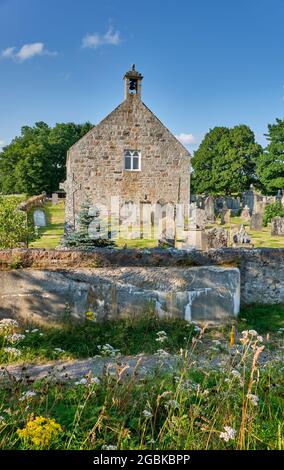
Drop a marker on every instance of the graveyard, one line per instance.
(50, 235)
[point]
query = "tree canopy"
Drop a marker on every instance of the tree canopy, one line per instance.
(15, 228)
(225, 161)
(270, 165)
(36, 160)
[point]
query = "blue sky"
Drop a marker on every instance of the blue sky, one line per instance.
(205, 63)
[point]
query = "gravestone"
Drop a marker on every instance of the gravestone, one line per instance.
(39, 218)
(277, 226)
(242, 239)
(54, 199)
(225, 216)
(259, 206)
(167, 232)
(209, 209)
(195, 239)
(256, 222)
(217, 238)
(233, 204)
(245, 214)
(197, 218)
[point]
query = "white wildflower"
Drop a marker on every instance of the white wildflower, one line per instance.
(108, 350)
(237, 375)
(259, 338)
(83, 381)
(172, 404)
(95, 380)
(162, 353)
(2, 420)
(7, 325)
(9, 322)
(59, 350)
(252, 332)
(27, 395)
(147, 414)
(13, 351)
(253, 398)
(161, 336)
(228, 434)
(14, 338)
(197, 329)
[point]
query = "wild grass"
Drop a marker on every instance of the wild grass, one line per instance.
(130, 335)
(235, 403)
(238, 405)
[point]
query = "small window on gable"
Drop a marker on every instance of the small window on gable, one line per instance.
(132, 160)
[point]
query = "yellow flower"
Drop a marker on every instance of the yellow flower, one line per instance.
(90, 316)
(40, 431)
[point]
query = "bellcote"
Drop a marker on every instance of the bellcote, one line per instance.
(132, 83)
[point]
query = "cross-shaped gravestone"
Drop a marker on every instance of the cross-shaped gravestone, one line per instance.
(70, 188)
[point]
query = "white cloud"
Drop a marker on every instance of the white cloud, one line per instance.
(26, 52)
(186, 139)
(96, 40)
(8, 53)
(2, 143)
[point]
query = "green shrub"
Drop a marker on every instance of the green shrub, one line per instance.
(273, 210)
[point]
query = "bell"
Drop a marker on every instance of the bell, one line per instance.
(132, 85)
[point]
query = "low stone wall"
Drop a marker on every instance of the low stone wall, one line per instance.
(262, 270)
(204, 293)
(32, 202)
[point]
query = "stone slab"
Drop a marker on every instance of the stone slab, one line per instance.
(195, 293)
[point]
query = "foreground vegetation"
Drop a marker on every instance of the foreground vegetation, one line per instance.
(236, 403)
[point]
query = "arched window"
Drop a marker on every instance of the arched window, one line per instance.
(132, 160)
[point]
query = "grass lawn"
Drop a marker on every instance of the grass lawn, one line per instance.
(50, 236)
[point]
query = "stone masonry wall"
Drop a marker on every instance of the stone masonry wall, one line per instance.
(262, 270)
(95, 164)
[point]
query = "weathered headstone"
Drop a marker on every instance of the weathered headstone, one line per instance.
(195, 239)
(54, 199)
(167, 232)
(277, 226)
(209, 209)
(245, 214)
(259, 206)
(242, 238)
(256, 222)
(39, 218)
(197, 218)
(225, 216)
(233, 204)
(217, 238)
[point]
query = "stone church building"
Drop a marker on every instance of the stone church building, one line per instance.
(129, 154)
